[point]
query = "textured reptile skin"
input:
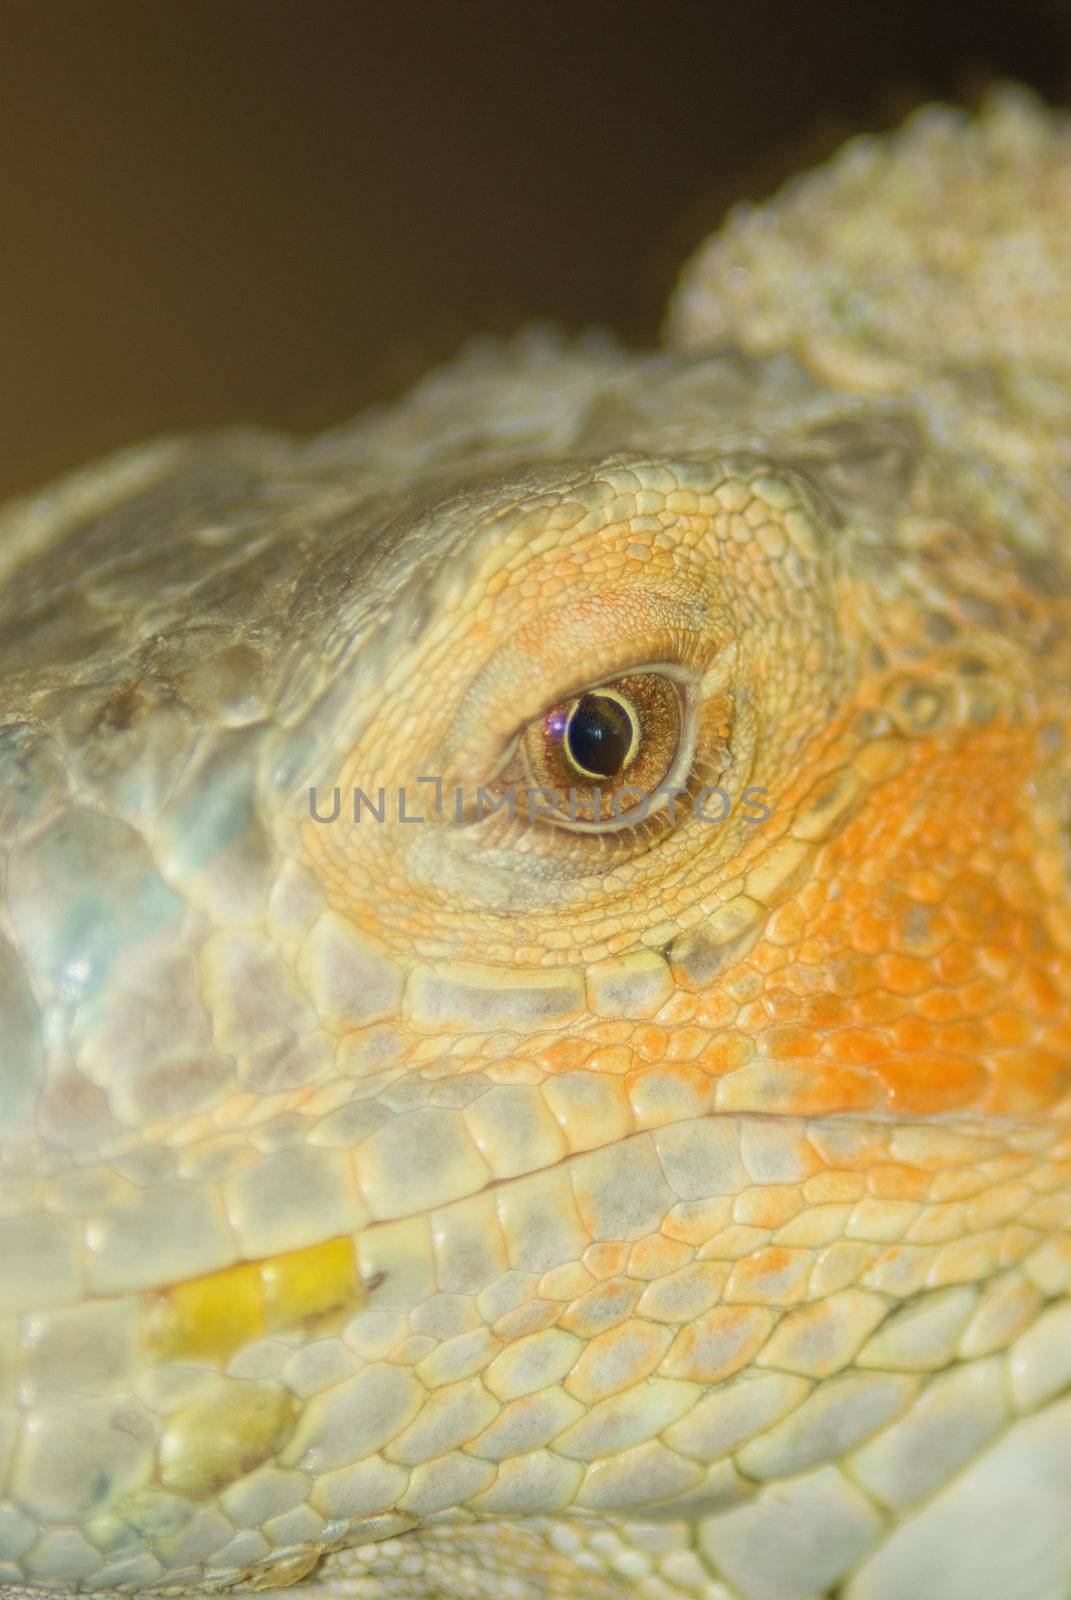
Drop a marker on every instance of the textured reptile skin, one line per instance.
(493, 1206)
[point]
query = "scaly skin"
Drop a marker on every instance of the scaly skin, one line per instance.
(506, 1208)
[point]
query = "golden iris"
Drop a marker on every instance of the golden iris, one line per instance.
(603, 752)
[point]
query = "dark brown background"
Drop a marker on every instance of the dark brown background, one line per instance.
(279, 209)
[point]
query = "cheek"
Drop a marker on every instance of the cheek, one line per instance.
(920, 969)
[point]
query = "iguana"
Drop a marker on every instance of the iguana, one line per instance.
(535, 948)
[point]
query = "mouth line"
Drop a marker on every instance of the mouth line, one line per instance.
(319, 1285)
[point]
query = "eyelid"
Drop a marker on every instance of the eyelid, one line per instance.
(674, 670)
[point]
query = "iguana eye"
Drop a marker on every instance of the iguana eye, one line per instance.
(601, 756)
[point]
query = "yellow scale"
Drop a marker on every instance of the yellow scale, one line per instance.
(214, 1315)
(234, 1424)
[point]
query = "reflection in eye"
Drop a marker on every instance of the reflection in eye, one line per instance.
(618, 739)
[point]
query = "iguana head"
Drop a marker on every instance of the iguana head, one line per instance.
(536, 967)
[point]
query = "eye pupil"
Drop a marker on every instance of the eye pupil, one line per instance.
(600, 735)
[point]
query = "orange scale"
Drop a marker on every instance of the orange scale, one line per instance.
(663, 1094)
(787, 925)
(680, 1007)
(752, 1018)
(685, 1044)
(851, 974)
(744, 985)
(817, 951)
(981, 996)
(976, 925)
(922, 933)
(1036, 992)
(1026, 1081)
(825, 1011)
(956, 965)
(607, 1258)
(966, 1038)
(927, 1084)
(927, 887)
(1010, 1028)
(856, 899)
(868, 933)
(715, 1010)
(612, 1033)
(1031, 938)
(972, 897)
(727, 1053)
(940, 1005)
(857, 1047)
(769, 958)
(782, 1006)
(564, 1055)
(878, 1008)
(898, 1183)
(913, 1033)
(776, 1275)
(807, 982)
(649, 1042)
(905, 975)
(657, 1257)
(811, 899)
(816, 1089)
(789, 1042)
(1018, 885)
(612, 1060)
(873, 871)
